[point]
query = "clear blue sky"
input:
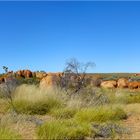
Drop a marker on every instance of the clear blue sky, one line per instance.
(42, 35)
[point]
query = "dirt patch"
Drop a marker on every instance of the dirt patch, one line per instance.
(25, 129)
(133, 123)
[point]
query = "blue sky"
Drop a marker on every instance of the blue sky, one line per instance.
(42, 35)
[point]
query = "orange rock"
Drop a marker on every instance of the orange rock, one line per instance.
(19, 73)
(134, 85)
(40, 75)
(122, 83)
(137, 74)
(109, 84)
(24, 73)
(27, 73)
(52, 79)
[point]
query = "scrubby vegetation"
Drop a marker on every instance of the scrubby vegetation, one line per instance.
(100, 114)
(35, 101)
(64, 129)
(31, 81)
(91, 112)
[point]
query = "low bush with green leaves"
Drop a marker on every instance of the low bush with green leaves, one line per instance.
(100, 114)
(64, 129)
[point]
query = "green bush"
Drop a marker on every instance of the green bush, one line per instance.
(64, 113)
(64, 129)
(39, 107)
(100, 114)
(8, 134)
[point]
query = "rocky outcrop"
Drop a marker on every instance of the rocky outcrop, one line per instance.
(52, 79)
(122, 83)
(24, 73)
(40, 75)
(109, 84)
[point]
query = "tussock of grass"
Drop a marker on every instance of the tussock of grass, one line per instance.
(128, 98)
(133, 99)
(100, 114)
(6, 133)
(64, 129)
(63, 113)
(40, 107)
(32, 100)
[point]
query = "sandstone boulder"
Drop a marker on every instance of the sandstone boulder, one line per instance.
(19, 73)
(109, 84)
(52, 79)
(40, 75)
(27, 73)
(122, 83)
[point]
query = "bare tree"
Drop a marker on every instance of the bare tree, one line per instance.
(74, 75)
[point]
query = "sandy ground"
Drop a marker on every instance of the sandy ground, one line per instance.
(133, 123)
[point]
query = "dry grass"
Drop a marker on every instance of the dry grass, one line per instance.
(19, 124)
(6, 133)
(3, 106)
(32, 93)
(133, 109)
(26, 129)
(30, 99)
